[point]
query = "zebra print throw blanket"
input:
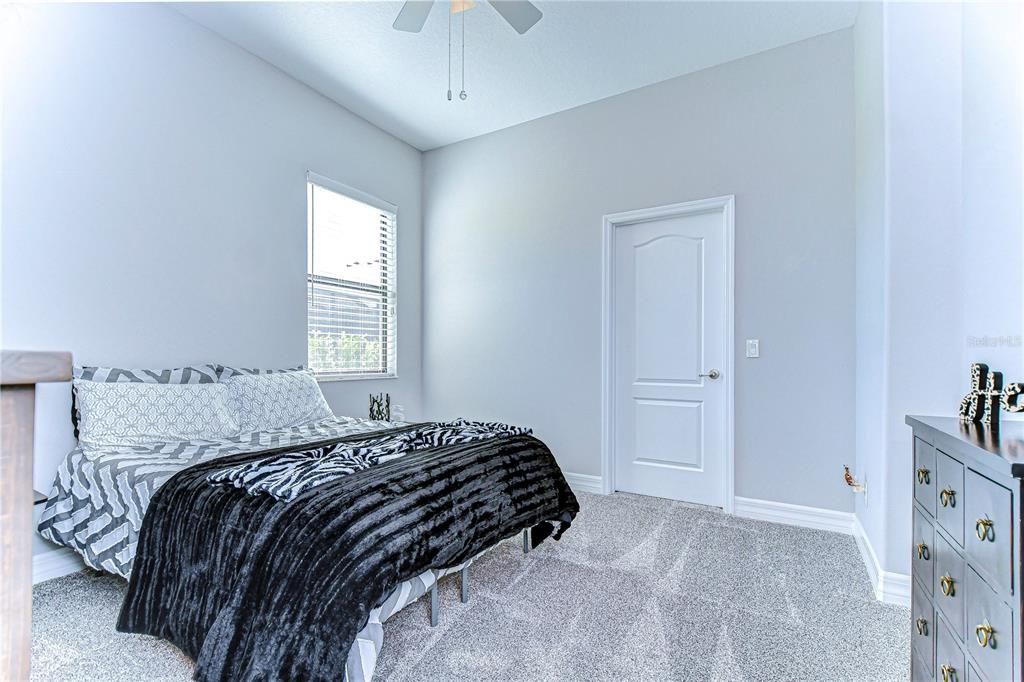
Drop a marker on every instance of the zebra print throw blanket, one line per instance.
(259, 588)
(290, 473)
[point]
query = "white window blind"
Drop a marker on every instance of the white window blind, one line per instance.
(351, 283)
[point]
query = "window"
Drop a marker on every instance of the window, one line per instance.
(351, 291)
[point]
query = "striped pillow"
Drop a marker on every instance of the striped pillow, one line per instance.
(224, 373)
(193, 374)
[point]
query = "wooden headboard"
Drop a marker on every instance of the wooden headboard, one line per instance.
(20, 374)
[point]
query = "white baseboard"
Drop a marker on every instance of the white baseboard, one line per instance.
(892, 588)
(867, 553)
(54, 564)
(795, 515)
(585, 483)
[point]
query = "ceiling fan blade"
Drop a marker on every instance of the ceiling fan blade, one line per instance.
(520, 14)
(413, 15)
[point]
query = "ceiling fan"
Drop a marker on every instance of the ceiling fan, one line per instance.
(520, 14)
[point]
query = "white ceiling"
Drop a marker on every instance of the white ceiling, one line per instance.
(578, 53)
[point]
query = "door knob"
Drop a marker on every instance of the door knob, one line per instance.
(713, 374)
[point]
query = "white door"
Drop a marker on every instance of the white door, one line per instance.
(669, 352)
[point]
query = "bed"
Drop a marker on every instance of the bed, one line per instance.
(102, 506)
(100, 496)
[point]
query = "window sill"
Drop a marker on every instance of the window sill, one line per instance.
(330, 378)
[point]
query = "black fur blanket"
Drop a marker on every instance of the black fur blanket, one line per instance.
(256, 588)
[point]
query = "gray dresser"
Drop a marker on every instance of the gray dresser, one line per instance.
(966, 588)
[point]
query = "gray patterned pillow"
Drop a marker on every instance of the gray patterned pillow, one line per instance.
(197, 374)
(135, 413)
(224, 373)
(263, 402)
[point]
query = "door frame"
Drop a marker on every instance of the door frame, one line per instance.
(726, 205)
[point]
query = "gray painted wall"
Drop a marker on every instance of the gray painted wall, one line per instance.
(951, 155)
(512, 258)
(154, 202)
(872, 274)
(993, 186)
(923, 310)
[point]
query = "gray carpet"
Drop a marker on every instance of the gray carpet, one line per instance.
(639, 589)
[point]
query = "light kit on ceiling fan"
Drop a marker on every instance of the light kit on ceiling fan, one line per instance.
(519, 14)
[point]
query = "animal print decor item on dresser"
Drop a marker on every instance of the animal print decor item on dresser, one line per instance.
(987, 395)
(1012, 399)
(973, 404)
(263, 402)
(139, 413)
(193, 374)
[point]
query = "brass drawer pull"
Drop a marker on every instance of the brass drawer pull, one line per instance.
(948, 673)
(948, 497)
(985, 635)
(984, 530)
(923, 552)
(948, 586)
(922, 627)
(924, 476)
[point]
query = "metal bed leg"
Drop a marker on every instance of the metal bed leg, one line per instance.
(464, 575)
(433, 605)
(526, 541)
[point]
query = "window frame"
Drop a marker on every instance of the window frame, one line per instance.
(381, 205)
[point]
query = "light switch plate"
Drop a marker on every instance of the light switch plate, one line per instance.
(753, 348)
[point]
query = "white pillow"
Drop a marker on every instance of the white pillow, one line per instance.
(264, 402)
(137, 413)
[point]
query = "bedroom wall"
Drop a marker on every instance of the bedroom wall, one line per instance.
(154, 202)
(947, 242)
(993, 188)
(512, 258)
(923, 184)
(872, 273)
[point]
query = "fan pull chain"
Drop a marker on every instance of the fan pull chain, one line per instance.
(463, 95)
(449, 56)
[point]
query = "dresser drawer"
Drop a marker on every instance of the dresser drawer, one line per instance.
(923, 551)
(918, 671)
(949, 487)
(989, 508)
(924, 475)
(992, 648)
(949, 584)
(922, 632)
(949, 659)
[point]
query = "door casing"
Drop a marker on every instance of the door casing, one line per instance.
(725, 205)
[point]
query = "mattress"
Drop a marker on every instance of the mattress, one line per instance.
(100, 495)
